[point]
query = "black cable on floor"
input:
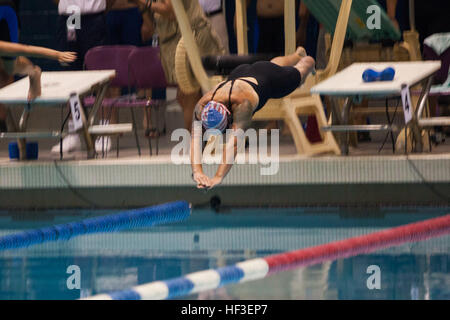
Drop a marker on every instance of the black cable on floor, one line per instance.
(390, 125)
(61, 139)
(410, 162)
(72, 189)
(425, 182)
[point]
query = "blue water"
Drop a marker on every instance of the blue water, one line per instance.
(118, 261)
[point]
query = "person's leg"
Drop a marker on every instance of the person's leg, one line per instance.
(271, 35)
(112, 30)
(187, 103)
(71, 141)
(299, 60)
(131, 25)
(219, 25)
(92, 34)
(5, 79)
(290, 60)
(306, 65)
(25, 67)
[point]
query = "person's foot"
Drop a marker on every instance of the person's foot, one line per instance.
(70, 143)
(103, 144)
(306, 65)
(301, 52)
(35, 84)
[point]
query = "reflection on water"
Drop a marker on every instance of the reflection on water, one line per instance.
(118, 261)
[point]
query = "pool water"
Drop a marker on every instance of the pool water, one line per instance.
(117, 261)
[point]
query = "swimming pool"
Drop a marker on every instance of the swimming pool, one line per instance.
(117, 261)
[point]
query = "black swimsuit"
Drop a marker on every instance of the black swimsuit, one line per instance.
(274, 81)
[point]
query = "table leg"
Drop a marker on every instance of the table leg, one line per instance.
(345, 120)
(336, 117)
(417, 133)
(336, 112)
(87, 122)
(98, 103)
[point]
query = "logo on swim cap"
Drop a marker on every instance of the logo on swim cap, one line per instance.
(215, 116)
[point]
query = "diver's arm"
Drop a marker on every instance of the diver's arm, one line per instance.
(10, 49)
(242, 118)
(229, 153)
(199, 177)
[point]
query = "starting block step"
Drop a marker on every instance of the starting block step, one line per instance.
(371, 127)
(436, 121)
(110, 129)
(31, 135)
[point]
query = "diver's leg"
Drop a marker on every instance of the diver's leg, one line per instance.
(25, 67)
(305, 66)
(290, 60)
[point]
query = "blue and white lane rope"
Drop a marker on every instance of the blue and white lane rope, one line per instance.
(192, 283)
(260, 268)
(137, 218)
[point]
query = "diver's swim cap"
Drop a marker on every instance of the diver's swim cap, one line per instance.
(215, 116)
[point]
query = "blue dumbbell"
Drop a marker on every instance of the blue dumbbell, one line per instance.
(371, 75)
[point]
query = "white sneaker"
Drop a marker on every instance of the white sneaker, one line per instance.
(103, 144)
(70, 143)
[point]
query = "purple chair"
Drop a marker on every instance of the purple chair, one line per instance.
(114, 57)
(146, 72)
(429, 54)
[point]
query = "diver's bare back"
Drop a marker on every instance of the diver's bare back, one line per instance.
(242, 91)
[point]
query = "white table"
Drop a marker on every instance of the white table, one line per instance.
(348, 84)
(56, 90)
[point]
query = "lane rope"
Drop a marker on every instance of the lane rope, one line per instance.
(132, 219)
(262, 267)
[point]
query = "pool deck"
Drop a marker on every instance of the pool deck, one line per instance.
(362, 179)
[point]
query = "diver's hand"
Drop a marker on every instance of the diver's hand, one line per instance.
(215, 182)
(66, 57)
(201, 179)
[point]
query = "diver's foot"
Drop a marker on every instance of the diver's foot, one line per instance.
(301, 52)
(35, 84)
(306, 66)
